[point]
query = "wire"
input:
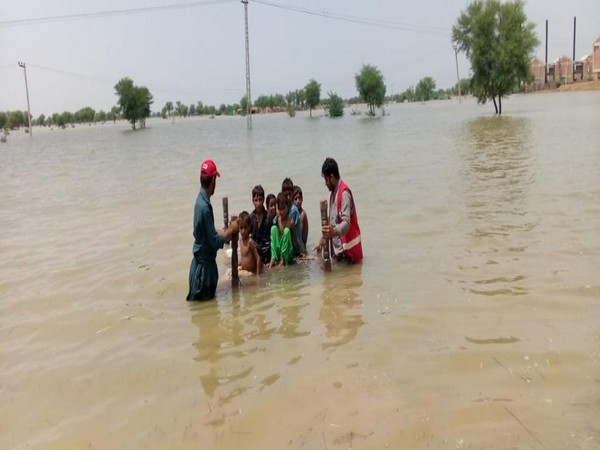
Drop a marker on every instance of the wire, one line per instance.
(360, 20)
(111, 13)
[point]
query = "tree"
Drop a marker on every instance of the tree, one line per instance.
(313, 94)
(425, 89)
(336, 105)
(169, 108)
(134, 101)
(370, 87)
(499, 42)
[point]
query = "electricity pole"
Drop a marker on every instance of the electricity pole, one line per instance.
(455, 47)
(248, 98)
(22, 64)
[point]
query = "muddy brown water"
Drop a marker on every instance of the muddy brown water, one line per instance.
(472, 323)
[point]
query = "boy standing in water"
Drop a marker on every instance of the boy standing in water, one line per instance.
(249, 259)
(271, 208)
(287, 188)
(261, 227)
(298, 199)
(282, 234)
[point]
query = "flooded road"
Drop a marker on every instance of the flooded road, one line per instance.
(472, 323)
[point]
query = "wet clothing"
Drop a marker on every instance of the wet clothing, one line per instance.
(346, 245)
(295, 216)
(204, 274)
(261, 235)
(281, 246)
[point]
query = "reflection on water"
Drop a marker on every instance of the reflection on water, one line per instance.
(341, 306)
(233, 333)
(497, 176)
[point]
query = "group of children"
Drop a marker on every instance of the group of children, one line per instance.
(275, 235)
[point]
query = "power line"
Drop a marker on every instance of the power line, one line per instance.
(111, 13)
(360, 20)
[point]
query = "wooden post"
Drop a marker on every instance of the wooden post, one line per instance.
(235, 279)
(325, 221)
(225, 212)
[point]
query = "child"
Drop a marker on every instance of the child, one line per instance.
(261, 227)
(282, 234)
(271, 208)
(298, 198)
(287, 188)
(249, 259)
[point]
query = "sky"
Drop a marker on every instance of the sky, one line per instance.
(192, 51)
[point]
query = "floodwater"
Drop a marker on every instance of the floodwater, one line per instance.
(472, 323)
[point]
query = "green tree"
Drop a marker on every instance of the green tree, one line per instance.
(134, 101)
(41, 121)
(336, 105)
(84, 115)
(3, 120)
(370, 87)
(169, 108)
(244, 105)
(313, 94)
(425, 89)
(499, 42)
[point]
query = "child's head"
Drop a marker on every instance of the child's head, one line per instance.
(258, 197)
(287, 187)
(297, 197)
(283, 203)
(271, 204)
(245, 224)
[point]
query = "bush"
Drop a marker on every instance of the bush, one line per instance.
(336, 105)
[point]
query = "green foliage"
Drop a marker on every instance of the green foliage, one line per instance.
(3, 120)
(499, 42)
(313, 94)
(371, 87)
(425, 90)
(336, 105)
(84, 115)
(134, 101)
(244, 105)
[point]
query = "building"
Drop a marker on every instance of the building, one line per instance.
(583, 69)
(538, 71)
(561, 70)
(596, 60)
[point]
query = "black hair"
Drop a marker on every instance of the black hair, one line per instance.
(268, 199)
(244, 217)
(297, 190)
(282, 201)
(205, 180)
(330, 167)
(258, 191)
(287, 184)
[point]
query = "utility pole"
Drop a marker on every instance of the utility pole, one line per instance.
(546, 61)
(248, 98)
(574, 37)
(23, 65)
(455, 47)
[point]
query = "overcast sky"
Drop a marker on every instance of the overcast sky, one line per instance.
(197, 53)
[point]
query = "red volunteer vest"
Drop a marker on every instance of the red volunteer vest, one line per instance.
(351, 241)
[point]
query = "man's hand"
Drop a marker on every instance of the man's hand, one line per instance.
(328, 231)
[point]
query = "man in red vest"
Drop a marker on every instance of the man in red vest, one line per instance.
(343, 231)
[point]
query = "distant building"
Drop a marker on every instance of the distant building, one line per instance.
(561, 70)
(583, 68)
(596, 60)
(538, 69)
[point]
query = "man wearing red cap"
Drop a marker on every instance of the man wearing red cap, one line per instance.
(204, 274)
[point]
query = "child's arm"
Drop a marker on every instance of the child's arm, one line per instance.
(254, 254)
(304, 218)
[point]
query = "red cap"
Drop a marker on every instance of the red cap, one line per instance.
(209, 168)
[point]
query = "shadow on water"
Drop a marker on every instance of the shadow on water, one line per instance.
(496, 159)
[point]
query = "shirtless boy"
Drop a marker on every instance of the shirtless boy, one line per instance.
(249, 259)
